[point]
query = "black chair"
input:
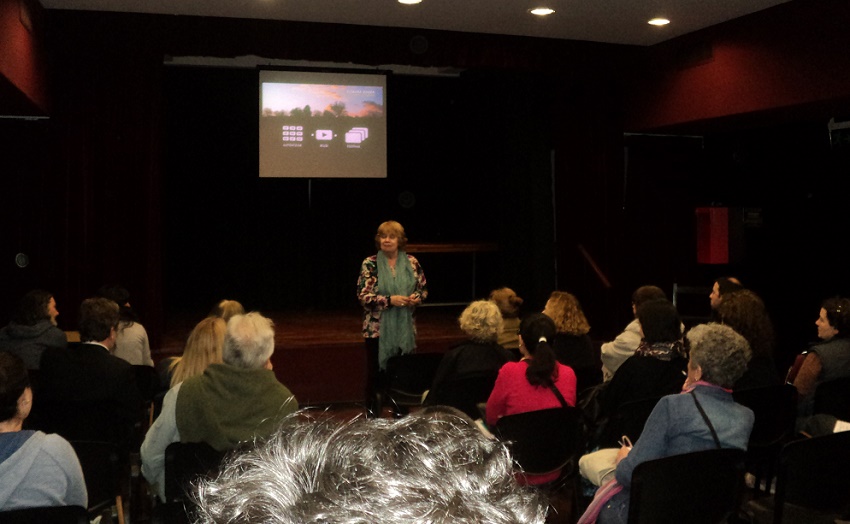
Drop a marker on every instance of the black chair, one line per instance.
(775, 409)
(185, 464)
(103, 468)
(704, 487)
(587, 377)
(543, 441)
(84, 421)
(465, 393)
(833, 398)
(407, 378)
(811, 484)
(46, 515)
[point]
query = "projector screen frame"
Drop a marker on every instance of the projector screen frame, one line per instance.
(322, 122)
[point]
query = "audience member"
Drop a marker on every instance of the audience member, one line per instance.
(33, 329)
(509, 305)
(536, 382)
(479, 356)
(616, 352)
(721, 287)
(744, 312)
(236, 401)
(91, 394)
(203, 347)
(132, 342)
(572, 344)
(829, 359)
(434, 468)
(657, 368)
(226, 309)
(704, 416)
(37, 469)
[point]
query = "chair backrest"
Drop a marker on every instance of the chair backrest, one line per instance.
(813, 474)
(703, 487)
(588, 376)
(185, 462)
(46, 515)
(833, 398)
(103, 468)
(466, 393)
(542, 441)
(83, 421)
(412, 373)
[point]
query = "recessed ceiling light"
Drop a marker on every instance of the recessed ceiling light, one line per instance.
(541, 11)
(655, 21)
(409, 2)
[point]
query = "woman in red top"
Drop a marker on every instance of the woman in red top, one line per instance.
(527, 385)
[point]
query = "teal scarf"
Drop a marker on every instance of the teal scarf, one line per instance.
(396, 322)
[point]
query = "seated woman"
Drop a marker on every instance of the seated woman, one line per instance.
(509, 303)
(572, 345)
(536, 382)
(829, 359)
(33, 329)
(37, 469)
(657, 368)
(744, 312)
(480, 356)
(703, 416)
(203, 347)
(226, 309)
(132, 342)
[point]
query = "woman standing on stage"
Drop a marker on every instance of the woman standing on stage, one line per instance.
(390, 286)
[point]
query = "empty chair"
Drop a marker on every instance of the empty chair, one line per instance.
(703, 487)
(103, 468)
(811, 483)
(407, 378)
(46, 515)
(775, 409)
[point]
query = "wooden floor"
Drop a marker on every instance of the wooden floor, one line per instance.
(319, 355)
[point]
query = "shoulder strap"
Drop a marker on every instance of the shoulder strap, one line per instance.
(561, 398)
(707, 421)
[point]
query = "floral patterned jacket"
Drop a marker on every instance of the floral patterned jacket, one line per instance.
(374, 304)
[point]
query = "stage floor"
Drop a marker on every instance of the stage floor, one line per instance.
(319, 355)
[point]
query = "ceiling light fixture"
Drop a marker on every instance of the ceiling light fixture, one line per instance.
(409, 2)
(541, 11)
(655, 21)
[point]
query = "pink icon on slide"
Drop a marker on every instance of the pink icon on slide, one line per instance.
(324, 134)
(356, 135)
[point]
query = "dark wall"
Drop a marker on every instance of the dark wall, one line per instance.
(136, 194)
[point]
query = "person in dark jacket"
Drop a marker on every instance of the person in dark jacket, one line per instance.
(33, 329)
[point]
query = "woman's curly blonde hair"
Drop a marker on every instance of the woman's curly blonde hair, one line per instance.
(563, 308)
(481, 321)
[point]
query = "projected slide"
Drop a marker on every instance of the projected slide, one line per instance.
(322, 125)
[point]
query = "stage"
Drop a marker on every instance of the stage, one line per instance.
(319, 355)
